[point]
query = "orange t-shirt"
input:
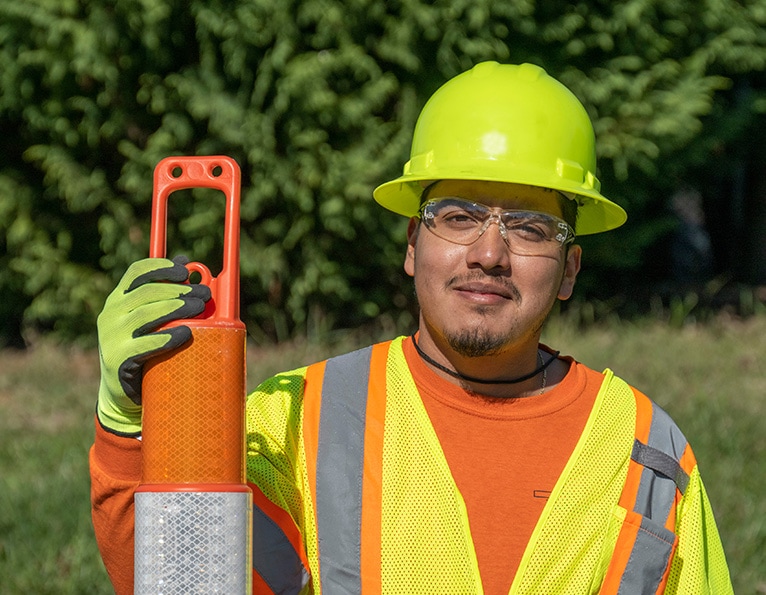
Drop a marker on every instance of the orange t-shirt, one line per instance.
(505, 456)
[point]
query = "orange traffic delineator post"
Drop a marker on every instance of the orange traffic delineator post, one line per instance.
(193, 506)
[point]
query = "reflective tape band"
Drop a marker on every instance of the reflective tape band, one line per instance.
(647, 567)
(665, 436)
(192, 542)
(340, 459)
(275, 558)
(662, 474)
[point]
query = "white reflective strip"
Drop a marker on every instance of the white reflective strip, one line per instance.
(192, 542)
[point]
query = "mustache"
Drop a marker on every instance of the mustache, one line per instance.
(500, 285)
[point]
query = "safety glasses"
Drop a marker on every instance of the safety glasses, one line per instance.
(527, 233)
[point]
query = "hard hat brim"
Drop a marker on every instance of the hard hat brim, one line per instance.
(595, 213)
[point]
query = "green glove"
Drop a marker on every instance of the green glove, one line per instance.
(151, 293)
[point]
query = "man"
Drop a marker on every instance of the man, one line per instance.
(467, 458)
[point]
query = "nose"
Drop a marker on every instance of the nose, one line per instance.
(490, 251)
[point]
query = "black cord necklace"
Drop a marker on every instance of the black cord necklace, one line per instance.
(460, 376)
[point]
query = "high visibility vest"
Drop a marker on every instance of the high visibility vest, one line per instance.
(352, 494)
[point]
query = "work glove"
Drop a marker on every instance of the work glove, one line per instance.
(152, 293)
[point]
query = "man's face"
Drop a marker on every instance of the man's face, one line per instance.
(482, 299)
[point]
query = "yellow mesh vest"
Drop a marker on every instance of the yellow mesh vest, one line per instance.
(426, 546)
(426, 541)
(700, 564)
(275, 454)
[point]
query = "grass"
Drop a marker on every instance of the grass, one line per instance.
(46, 408)
(711, 378)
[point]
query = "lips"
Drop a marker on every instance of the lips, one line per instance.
(487, 288)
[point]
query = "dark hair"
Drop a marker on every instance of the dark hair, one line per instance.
(568, 209)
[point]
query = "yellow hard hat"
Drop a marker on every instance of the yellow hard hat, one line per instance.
(505, 123)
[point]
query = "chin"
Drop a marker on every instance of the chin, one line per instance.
(476, 342)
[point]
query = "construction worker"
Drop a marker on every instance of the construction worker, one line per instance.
(468, 457)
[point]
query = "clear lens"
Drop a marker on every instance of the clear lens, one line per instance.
(526, 232)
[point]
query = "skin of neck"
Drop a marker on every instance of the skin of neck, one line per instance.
(511, 362)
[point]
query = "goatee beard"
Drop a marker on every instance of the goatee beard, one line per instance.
(475, 343)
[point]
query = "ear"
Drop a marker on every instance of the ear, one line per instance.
(571, 268)
(412, 237)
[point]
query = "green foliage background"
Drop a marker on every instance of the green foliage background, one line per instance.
(316, 100)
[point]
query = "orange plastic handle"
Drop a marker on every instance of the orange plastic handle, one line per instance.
(219, 173)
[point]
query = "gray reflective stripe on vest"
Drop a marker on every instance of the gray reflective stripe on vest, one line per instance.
(661, 475)
(274, 557)
(662, 472)
(648, 560)
(340, 458)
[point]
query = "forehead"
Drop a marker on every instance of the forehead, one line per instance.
(499, 194)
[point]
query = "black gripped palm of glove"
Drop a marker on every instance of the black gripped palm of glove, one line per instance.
(152, 293)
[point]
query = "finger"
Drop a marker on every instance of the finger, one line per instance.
(198, 292)
(131, 371)
(158, 292)
(189, 304)
(163, 270)
(150, 293)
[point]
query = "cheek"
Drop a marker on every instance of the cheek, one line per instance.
(538, 276)
(431, 258)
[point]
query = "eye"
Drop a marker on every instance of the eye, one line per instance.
(530, 229)
(458, 217)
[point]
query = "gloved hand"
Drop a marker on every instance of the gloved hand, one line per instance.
(151, 293)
